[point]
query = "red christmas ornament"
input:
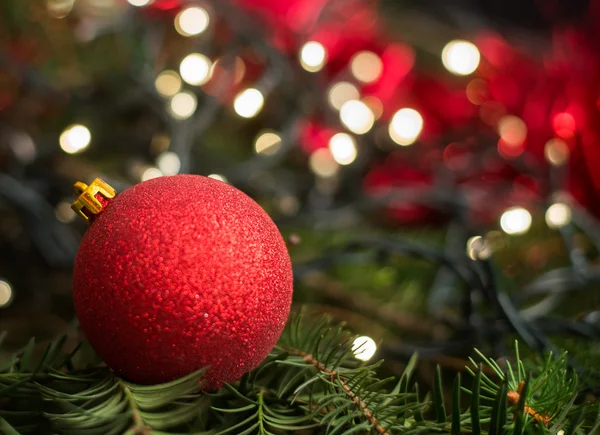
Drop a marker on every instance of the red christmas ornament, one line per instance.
(178, 273)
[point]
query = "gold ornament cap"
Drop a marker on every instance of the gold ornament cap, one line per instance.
(87, 201)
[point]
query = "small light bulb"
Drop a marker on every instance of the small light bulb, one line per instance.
(357, 116)
(167, 83)
(192, 21)
(151, 173)
(460, 57)
(343, 148)
(195, 69)
(6, 294)
(183, 105)
(366, 66)
(406, 126)
(139, 3)
(558, 215)
(169, 163)
(268, 143)
(248, 103)
(322, 163)
(218, 177)
(75, 138)
(342, 92)
(313, 56)
(515, 220)
(364, 348)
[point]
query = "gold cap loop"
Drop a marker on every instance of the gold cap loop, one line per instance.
(87, 197)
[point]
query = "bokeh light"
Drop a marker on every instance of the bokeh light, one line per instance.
(556, 152)
(558, 215)
(139, 3)
(313, 56)
(341, 93)
(192, 21)
(515, 220)
(343, 148)
(357, 116)
(168, 163)
(366, 66)
(60, 8)
(75, 138)
(512, 130)
(183, 105)
(322, 163)
(195, 69)
(218, 177)
(64, 213)
(460, 57)
(478, 248)
(248, 103)
(267, 142)
(364, 348)
(168, 83)
(150, 173)
(6, 294)
(405, 126)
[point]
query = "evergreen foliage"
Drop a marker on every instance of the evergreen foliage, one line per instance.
(310, 383)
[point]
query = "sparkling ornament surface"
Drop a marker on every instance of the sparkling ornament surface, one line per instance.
(179, 273)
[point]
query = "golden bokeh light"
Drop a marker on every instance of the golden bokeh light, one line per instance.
(6, 294)
(556, 152)
(168, 163)
(366, 66)
(341, 93)
(322, 163)
(267, 142)
(364, 348)
(168, 83)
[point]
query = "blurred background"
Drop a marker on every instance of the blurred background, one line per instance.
(464, 133)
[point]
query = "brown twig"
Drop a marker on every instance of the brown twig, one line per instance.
(513, 398)
(332, 375)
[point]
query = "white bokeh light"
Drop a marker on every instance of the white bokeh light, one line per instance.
(343, 148)
(150, 173)
(322, 163)
(183, 105)
(267, 142)
(405, 126)
(168, 163)
(366, 66)
(248, 103)
(313, 56)
(192, 21)
(558, 215)
(195, 69)
(139, 3)
(168, 83)
(364, 348)
(342, 92)
(218, 177)
(460, 57)
(6, 294)
(515, 220)
(75, 138)
(357, 116)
